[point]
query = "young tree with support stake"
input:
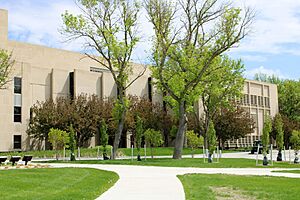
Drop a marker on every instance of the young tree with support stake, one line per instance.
(189, 36)
(295, 141)
(278, 128)
(110, 29)
(104, 138)
(211, 140)
(266, 137)
(139, 130)
(72, 143)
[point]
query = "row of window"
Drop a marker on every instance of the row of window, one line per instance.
(17, 99)
(255, 100)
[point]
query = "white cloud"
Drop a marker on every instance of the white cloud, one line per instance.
(277, 25)
(251, 73)
(252, 58)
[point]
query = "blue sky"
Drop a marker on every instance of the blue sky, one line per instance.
(273, 47)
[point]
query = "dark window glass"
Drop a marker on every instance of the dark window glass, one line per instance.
(150, 88)
(72, 85)
(17, 114)
(17, 141)
(17, 85)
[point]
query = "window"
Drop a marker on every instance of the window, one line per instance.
(17, 85)
(17, 141)
(71, 86)
(267, 102)
(150, 89)
(17, 99)
(17, 114)
(253, 100)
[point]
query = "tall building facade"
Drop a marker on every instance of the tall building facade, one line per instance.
(41, 73)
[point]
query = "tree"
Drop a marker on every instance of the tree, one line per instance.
(233, 123)
(184, 49)
(194, 141)
(212, 141)
(266, 137)
(153, 138)
(110, 29)
(72, 142)
(58, 139)
(288, 95)
(278, 129)
(103, 138)
(227, 82)
(139, 130)
(295, 141)
(6, 63)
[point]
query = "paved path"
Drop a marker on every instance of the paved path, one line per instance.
(161, 183)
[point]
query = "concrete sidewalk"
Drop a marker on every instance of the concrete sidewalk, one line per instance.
(161, 183)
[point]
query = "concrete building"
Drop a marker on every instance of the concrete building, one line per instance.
(259, 99)
(41, 73)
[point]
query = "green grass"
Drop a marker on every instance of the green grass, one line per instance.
(92, 152)
(62, 183)
(289, 171)
(187, 162)
(200, 186)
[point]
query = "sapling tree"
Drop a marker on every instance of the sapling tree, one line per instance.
(266, 137)
(295, 141)
(211, 140)
(103, 138)
(72, 142)
(278, 129)
(6, 63)
(153, 138)
(110, 30)
(189, 36)
(139, 130)
(194, 141)
(58, 139)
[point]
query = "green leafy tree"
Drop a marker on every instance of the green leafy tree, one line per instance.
(266, 136)
(6, 63)
(58, 139)
(109, 29)
(212, 140)
(194, 141)
(288, 95)
(139, 130)
(227, 81)
(278, 129)
(104, 137)
(184, 50)
(295, 141)
(72, 142)
(153, 138)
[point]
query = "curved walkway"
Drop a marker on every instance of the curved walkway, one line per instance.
(161, 183)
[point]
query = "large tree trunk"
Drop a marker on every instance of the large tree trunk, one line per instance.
(180, 133)
(118, 134)
(121, 122)
(207, 120)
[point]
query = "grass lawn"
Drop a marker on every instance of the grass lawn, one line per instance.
(289, 171)
(217, 186)
(187, 162)
(62, 183)
(92, 152)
